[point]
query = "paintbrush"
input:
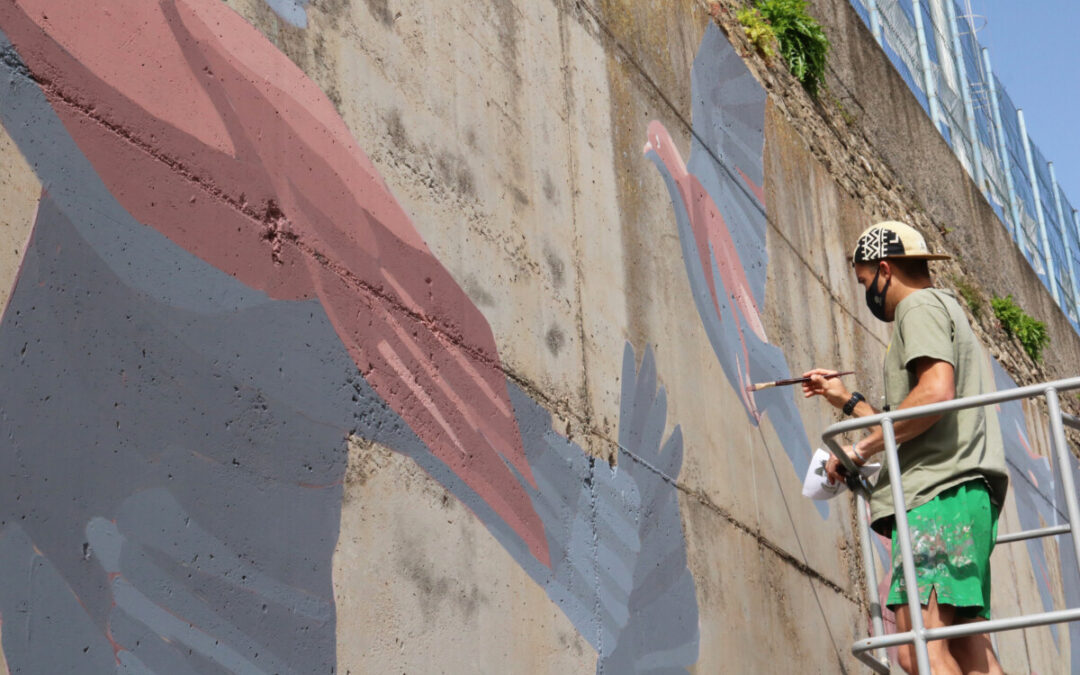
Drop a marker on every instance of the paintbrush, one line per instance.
(795, 380)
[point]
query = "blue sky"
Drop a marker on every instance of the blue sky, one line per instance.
(1034, 47)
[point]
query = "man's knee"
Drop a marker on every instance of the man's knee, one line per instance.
(937, 651)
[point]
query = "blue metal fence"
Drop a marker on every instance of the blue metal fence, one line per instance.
(934, 46)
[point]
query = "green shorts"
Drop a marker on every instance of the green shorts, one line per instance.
(952, 537)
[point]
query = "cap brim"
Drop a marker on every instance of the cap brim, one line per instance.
(913, 256)
(922, 256)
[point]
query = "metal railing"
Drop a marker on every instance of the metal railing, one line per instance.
(920, 635)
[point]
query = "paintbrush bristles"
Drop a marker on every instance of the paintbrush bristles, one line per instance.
(760, 386)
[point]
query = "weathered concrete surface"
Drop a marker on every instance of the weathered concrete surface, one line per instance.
(510, 136)
(445, 599)
(19, 194)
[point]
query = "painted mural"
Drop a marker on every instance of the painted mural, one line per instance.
(719, 204)
(219, 289)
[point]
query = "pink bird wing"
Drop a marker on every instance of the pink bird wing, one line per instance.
(260, 177)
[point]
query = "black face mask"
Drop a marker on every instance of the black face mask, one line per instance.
(875, 299)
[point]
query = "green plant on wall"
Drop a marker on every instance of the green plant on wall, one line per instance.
(759, 31)
(803, 44)
(1031, 333)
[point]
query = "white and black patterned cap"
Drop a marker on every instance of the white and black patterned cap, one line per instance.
(892, 239)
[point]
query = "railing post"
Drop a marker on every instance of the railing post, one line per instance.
(1064, 457)
(965, 96)
(919, 635)
(1003, 154)
(929, 79)
(1063, 231)
(871, 572)
(903, 535)
(875, 19)
(1040, 217)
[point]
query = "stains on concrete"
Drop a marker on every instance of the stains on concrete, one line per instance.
(520, 198)
(556, 267)
(550, 191)
(365, 460)
(395, 129)
(380, 9)
(506, 16)
(435, 591)
(555, 339)
(478, 293)
(454, 172)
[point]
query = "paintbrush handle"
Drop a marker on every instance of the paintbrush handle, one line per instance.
(793, 380)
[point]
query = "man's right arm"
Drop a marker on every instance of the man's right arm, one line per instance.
(934, 384)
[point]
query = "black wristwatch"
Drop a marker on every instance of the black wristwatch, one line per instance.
(849, 407)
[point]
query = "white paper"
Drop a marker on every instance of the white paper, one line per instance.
(817, 485)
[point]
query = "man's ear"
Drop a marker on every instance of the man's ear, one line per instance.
(885, 270)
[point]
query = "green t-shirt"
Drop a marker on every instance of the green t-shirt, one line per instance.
(962, 445)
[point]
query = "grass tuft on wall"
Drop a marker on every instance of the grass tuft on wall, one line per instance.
(1017, 323)
(803, 44)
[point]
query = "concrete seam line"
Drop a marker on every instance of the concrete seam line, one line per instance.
(579, 318)
(755, 533)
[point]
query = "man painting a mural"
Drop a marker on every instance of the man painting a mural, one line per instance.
(952, 466)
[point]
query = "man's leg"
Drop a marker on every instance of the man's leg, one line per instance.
(934, 615)
(975, 653)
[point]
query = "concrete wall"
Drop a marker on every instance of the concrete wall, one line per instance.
(349, 337)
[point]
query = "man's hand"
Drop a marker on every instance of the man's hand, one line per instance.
(835, 470)
(832, 389)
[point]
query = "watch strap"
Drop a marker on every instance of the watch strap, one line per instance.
(849, 407)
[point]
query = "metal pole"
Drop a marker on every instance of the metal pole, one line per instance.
(865, 543)
(980, 400)
(1003, 153)
(929, 80)
(1071, 421)
(875, 19)
(1034, 534)
(1057, 433)
(965, 96)
(907, 559)
(1063, 231)
(1048, 258)
(970, 628)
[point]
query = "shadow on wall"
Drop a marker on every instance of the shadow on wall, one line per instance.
(187, 360)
